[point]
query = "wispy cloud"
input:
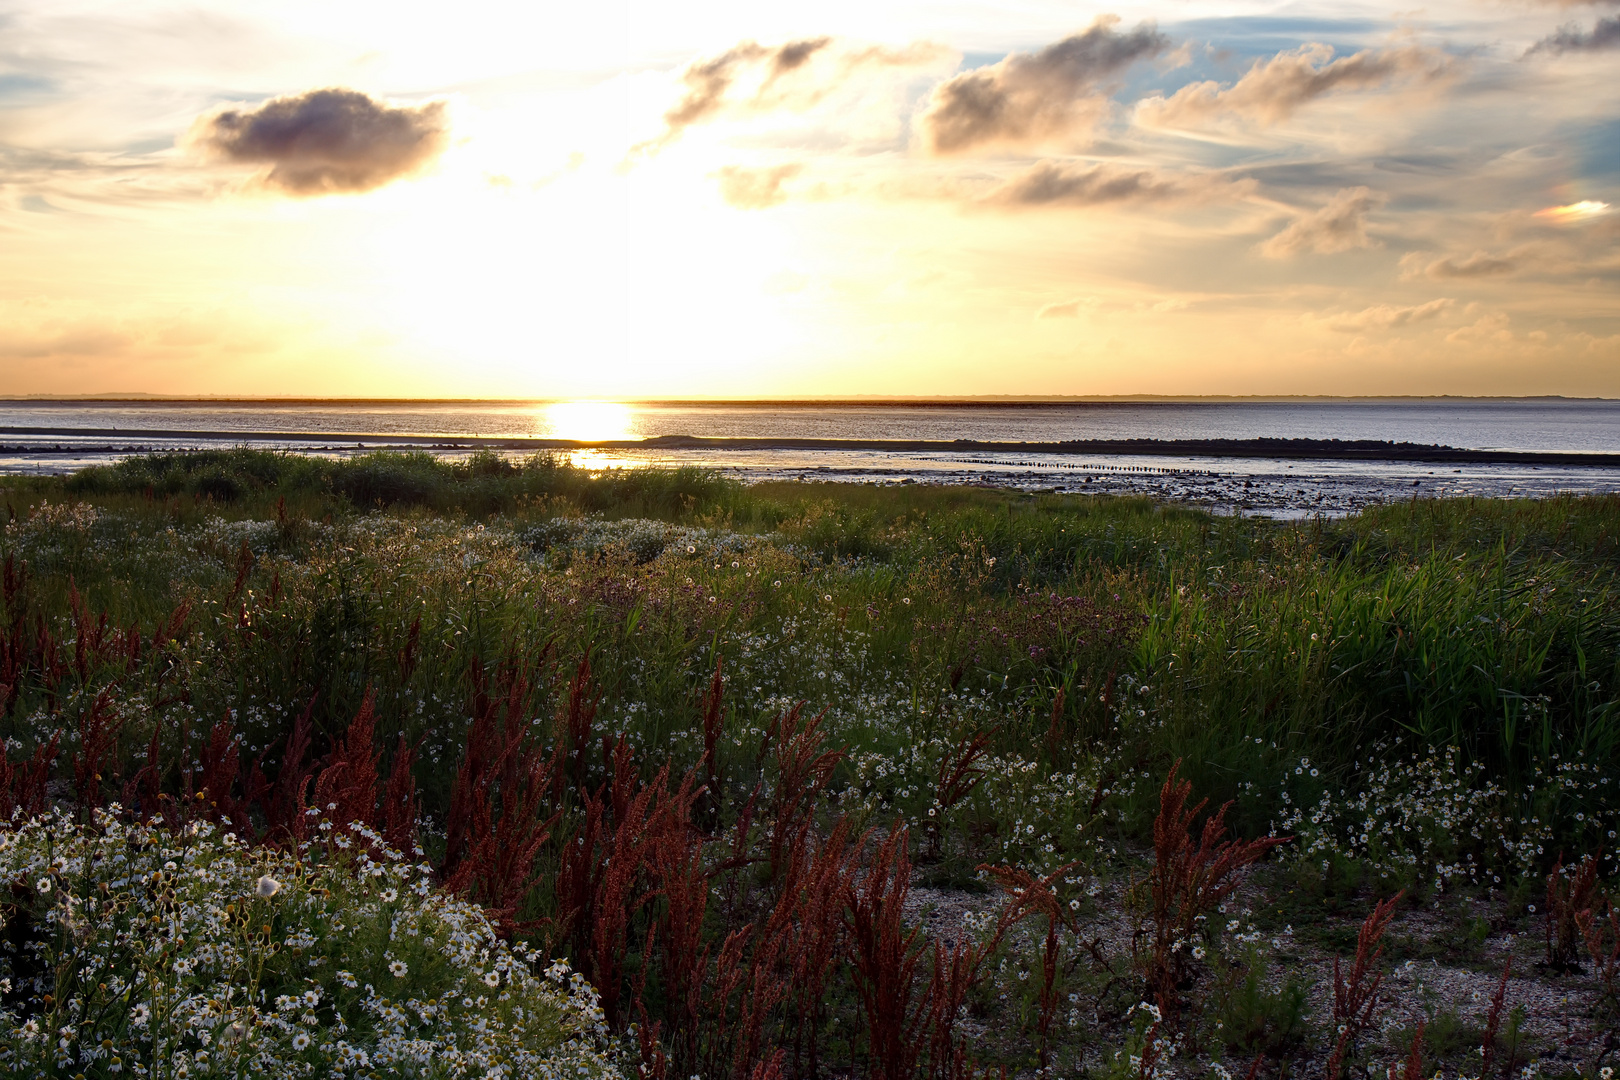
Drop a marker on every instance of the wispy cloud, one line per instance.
(1390, 316)
(755, 189)
(1033, 98)
(751, 78)
(1341, 225)
(1273, 90)
(1605, 34)
(326, 141)
(1480, 264)
(1067, 310)
(1059, 183)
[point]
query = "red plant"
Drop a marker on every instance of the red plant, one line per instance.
(1568, 894)
(575, 723)
(397, 815)
(884, 956)
(1040, 896)
(22, 785)
(959, 774)
(98, 730)
(346, 790)
(1188, 882)
(1355, 999)
(221, 766)
(1605, 956)
(1413, 1069)
(284, 802)
(803, 770)
(1493, 1022)
(814, 886)
(498, 820)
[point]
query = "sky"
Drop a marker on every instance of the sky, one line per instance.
(847, 197)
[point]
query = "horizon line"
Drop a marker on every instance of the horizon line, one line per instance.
(831, 400)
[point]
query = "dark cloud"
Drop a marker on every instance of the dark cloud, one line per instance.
(1053, 183)
(1605, 34)
(1029, 98)
(1339, 226)
(327, 141)
(755, 189)
(754, 78)
(1272, 90)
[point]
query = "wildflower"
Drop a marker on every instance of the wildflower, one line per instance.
(492, 979)
(266, 887)
(300, 1040)
(397, 968)
(43, 886)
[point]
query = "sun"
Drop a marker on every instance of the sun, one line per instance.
(587, 421)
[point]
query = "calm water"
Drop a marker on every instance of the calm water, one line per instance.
(1537, 424)
(61, 436)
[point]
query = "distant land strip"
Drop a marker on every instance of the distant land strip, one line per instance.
(1291, 449)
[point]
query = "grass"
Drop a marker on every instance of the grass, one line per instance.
(1423, 694)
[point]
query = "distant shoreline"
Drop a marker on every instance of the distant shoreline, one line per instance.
(993, 400)
(1266, 448)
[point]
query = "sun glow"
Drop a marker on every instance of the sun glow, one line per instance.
(587, 421)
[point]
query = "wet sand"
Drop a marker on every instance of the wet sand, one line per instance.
(1275, 477)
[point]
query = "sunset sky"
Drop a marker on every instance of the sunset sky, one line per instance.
(751, 199)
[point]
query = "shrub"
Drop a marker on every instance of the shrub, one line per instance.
(141, 945)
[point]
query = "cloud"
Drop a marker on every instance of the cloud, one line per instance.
(1055, 183)
(1605, 34)
(1387, 316)
(326, 141)
(752, 78)
(1272, 90)
(755, 189)
(1030, 98)
(1478, 265)
(1070, 310)
(1339, 226)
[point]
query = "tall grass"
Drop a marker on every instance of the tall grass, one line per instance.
(694, 704)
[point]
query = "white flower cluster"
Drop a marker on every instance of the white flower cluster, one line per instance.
(146, 945)
(1438, 819)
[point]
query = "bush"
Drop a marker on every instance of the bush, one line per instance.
(133, 944)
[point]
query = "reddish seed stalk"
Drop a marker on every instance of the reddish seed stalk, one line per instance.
(1493, 1022)
(1187, 883)
(1355, 1000)
(1413, 1069)
(1567, 896)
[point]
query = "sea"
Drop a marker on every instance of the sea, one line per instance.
(62, 436)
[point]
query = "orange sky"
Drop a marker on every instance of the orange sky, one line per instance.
(747, 200)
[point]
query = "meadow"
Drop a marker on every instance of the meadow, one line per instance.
(791, 779)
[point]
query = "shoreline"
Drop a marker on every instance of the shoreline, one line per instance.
(1261, 448)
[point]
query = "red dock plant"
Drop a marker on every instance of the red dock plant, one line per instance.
(498, 821)
(1569, 892)
(1186, 884)
(1355, 1000)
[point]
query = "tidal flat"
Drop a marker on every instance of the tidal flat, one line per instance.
(796, 779)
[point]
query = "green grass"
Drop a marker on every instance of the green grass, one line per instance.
(1241, 645)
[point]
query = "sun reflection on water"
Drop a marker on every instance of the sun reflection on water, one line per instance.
(587, 421)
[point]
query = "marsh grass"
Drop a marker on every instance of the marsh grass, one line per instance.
(1006, 678)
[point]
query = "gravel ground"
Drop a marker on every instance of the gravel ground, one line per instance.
(1565, 1030)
